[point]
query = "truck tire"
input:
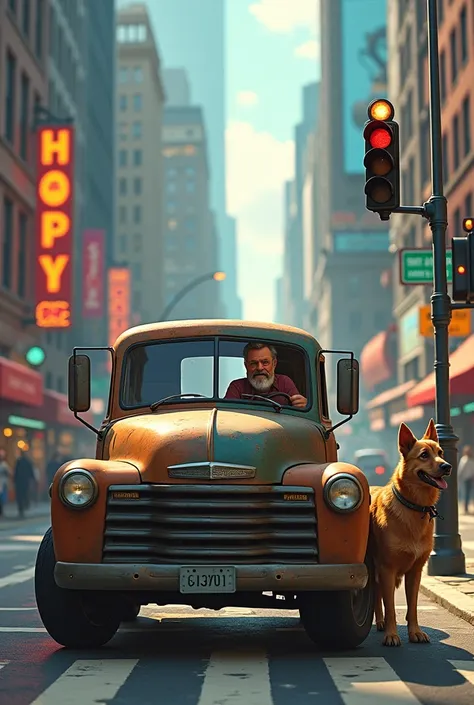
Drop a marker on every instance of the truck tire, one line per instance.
(63, 612)
(342, 619)
(129, 610)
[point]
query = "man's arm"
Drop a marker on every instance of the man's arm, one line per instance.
(233, 390)
(290, 388)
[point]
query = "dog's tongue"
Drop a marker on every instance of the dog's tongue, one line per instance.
(441, 482)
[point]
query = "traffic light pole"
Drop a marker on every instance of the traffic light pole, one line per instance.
(447, 557)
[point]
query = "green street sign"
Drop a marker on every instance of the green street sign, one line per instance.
(416, 266)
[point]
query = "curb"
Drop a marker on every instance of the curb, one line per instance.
(9, 523)
(448, 597)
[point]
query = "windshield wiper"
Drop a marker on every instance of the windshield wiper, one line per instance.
(156, 404)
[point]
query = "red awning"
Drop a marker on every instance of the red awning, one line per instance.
(461, 373)
(390, 394)
(376, 365)
(20, 384)
(58, 412)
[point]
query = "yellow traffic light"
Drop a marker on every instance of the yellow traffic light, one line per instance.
(219, 276)
(468, 225)
(381, 109)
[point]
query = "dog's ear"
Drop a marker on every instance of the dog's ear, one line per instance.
(431, 434)
(406, 439)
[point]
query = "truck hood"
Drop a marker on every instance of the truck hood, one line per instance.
(268, 441)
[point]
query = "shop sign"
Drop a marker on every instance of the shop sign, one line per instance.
(459, 327)
(54, 226)
(93, 243)
(119, 302)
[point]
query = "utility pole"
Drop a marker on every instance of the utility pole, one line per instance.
(382, 189)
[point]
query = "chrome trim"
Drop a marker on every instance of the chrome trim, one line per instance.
(343, 476)
(78, 471)
(211, 470)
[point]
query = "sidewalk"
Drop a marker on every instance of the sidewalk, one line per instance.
(10, 518)
(454, 593)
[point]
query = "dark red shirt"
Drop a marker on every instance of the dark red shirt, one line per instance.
(282, 383)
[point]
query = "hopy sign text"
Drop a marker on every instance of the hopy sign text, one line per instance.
(54, 234)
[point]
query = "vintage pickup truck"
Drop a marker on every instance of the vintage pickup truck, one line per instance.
(200, 499)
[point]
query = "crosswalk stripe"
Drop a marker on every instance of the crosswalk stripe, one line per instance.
(465, 669)
(100, 681)
(368, 681)
(21, 576)
(237, 677)
(3, 663)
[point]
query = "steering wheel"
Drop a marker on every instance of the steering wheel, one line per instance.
(279, 394)
(268, 398)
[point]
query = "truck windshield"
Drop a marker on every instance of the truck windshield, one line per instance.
(202, 367)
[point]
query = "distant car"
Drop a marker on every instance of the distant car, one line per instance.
(375, 465)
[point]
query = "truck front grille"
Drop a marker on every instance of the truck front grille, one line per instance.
(205, 524)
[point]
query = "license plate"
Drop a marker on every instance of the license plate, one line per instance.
(207, 579)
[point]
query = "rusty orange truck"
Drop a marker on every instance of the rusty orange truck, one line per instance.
(200, 499)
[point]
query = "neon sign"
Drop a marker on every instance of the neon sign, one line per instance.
(54, 234)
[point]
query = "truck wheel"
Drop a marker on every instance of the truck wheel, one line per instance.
(342, 619)
(129, 610)
(66, 614)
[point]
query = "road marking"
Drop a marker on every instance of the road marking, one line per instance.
(3, 663)
(368, 681)
(88, 683)
(17, 609)
(465, 669)
(236, 677)
(27, 537)
(23, 630)
(16, 578)
(5, 547)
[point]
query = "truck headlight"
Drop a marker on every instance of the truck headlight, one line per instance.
(78, 489)
(343, 493)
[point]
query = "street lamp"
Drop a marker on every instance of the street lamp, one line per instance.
(217, 276)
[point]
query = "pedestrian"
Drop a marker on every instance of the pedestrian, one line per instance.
(466, 474)
(5, 475)
(24, 477)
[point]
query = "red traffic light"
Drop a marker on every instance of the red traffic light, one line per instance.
(380, 138)
(461, 269)
(468, 225)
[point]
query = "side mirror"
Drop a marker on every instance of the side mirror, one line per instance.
(79, 391)
(348, 387)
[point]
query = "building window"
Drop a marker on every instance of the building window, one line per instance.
(10, 98)
(137, 102)
(137, 186)
(123, 103)
(454, 55)
(190, 186)
(137, 129)
(445, 159)
(137, 157)
(123, 74)
(466, 119)
(122, 214)
(137, 271)
(22, 250)
(122, 244)
(190, 171)
(464, 42)
(39, 28)
(468, 206)
(122, 186)
(123, 157)
(171, 207)
(24, 116)
(190, 224)
(442, 80)
(138, 74)
(171, 173)
(171, 187)
(26, 18)
(123, 126)
(7, 243)
(172, 224)
(137, 242)
(131, 33)
(455, 142)
(137, 214)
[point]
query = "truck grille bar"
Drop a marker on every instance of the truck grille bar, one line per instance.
(205, 524)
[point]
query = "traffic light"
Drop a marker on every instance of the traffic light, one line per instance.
(382, 159)
(463, 264)
(35, 356)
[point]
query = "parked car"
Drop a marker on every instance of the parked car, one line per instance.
(375, 465)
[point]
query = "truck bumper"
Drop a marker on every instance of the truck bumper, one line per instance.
(165, 578)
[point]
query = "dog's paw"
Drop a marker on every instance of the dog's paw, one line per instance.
(380, 625)
(418, 637)
(391, 639)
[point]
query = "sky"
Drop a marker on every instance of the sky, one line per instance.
(272, 52)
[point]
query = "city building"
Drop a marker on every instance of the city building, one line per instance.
(191, 242)
(412, 395)
(192, 35)
(140, 104)
(351, 300)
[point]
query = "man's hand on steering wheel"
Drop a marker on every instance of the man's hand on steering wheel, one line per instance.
(298, 401)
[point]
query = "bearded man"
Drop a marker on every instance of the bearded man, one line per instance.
(260, 362)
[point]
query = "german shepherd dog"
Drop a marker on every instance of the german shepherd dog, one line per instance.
(402, 528)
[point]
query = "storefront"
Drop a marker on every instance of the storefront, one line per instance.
(66, 433)
(461, 373)
(21, 417)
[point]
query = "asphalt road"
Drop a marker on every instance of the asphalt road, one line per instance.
(177, 656)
